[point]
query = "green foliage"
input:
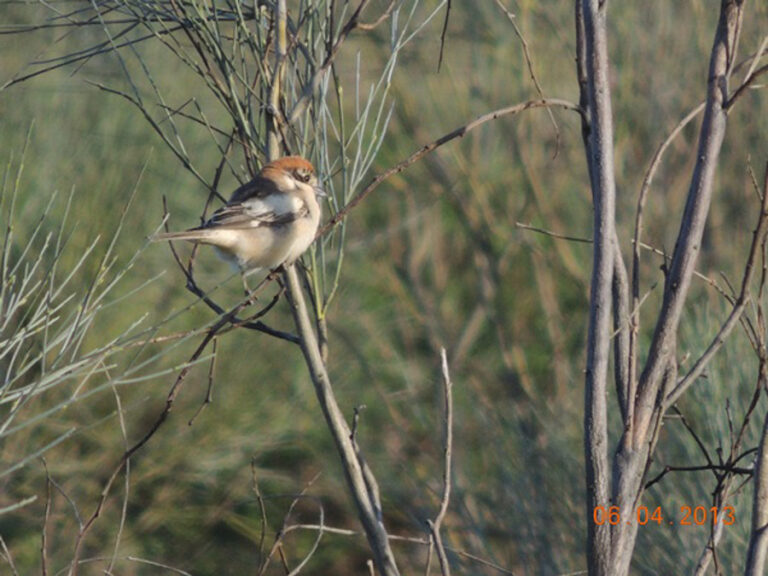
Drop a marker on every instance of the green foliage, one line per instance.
(433, 258)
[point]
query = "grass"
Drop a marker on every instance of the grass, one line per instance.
(433, 258)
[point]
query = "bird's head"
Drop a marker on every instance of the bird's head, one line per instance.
(295, 171)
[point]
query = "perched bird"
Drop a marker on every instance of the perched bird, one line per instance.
(267, 222)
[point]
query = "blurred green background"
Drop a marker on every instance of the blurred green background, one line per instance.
(433, 258)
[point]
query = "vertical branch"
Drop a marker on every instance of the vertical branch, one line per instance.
(600, 160)
(46, 518)
(623, 375)
(757, 555)
(273, 109)
(758, 541)
(435, 526)
(621, 329)
(362, 483)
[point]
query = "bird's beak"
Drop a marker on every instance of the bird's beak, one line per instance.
(320, 192)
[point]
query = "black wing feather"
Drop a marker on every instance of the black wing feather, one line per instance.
(236, 214)
(259, 187)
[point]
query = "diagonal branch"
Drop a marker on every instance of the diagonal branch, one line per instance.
(459, 132)
(529, 64)
(755, 249)
(637, 245)
(359, 484)
(693, 220)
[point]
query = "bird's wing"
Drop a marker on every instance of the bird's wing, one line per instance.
(258, 203)
(259, 187)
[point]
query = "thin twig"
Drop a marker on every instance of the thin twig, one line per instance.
(711, 467)
(277, 545)
(747, 84)
(8, 557)
(262, 510)
(529, 63)
(384, 15)
(312, 85)
(758, 236)
(209, 391)
(642, 198)
(552, 234)
(443, 34)
(157, 564)
(46, 518)
(225, 320)
(459, 132)
(434, 526)
(127, 481)
(398, 538)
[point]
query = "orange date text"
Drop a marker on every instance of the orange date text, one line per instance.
(642, 515)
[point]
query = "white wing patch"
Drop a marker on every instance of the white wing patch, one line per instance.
(274, 206)
(270, 210)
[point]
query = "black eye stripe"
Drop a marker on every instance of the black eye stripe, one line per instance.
(302, 176)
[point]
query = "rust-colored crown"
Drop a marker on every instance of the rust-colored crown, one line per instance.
(289, 163)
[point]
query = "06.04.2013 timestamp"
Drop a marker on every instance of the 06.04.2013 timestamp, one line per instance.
(689, 516)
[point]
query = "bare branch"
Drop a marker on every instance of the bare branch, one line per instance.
(281, 50)
(644, 190)
(6, 555)
(746, 85)
(459, 132)
(46, 518)
(358, 483)
(409, 539)
(552, 234)
(600, 160)
(621, 333)
(758, 542)
(158, 565)
(693, 220)
(529, 63)
(435, 525)
(209, 392)
(224, 321)
(758, 237)
(443, 34)
(384, 15)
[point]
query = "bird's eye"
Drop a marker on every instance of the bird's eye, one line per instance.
(302, 175)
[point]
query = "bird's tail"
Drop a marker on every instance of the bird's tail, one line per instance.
(193, 235)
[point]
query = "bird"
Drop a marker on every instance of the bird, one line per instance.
(267, 222)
